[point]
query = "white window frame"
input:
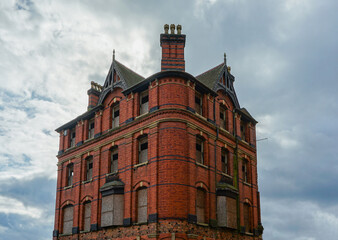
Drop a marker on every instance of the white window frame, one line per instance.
(144, 106)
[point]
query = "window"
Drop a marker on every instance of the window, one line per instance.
(247, 217)
(225, 161)
(86, 216)
(115, 116)
(112, 210)
(144, 100)
(89, 168)
(91, 126)
(198, 103)
(200, 205)
(199, 150)
(70, 174)
(243, 127)
(142, 205)
(143, 149)
(245, 171)
(72, 138)
(226, 212)
(114, 156)
(222, 117)
(67, 219)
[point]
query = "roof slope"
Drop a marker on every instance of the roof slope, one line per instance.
(129, 76)
(209, 77)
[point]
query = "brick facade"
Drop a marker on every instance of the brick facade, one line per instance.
(171, 175)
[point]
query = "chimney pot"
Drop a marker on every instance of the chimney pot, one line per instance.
(166, 28)
(179, 28)
(172, 28)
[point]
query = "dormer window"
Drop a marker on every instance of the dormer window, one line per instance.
(144, 100)
(116, 116)
(91, 125)
(198, 103)
(72, 138)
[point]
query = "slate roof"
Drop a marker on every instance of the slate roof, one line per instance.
(247, 114)
(209, 77)
(130, 77)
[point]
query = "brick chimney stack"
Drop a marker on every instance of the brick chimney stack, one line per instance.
(172, 49)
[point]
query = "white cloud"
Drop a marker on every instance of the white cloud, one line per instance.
(14, 206)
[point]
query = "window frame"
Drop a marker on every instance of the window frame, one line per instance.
(223, 121)
(86, 227)
(201, 209)
(199, 106)
(246, 171)
(64, 221)
(70, 174)
(144, 107)
(72, 138)
(142, 140)
(200, 156)
(115, 122)
(227, 211)
(117, 205)
(91, 128)
(247, 217)
(113, 152)
(225, 164)
(89, 168)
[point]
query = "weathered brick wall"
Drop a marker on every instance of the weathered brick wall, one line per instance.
(171, 174)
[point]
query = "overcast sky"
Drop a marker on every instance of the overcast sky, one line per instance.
(284, 55)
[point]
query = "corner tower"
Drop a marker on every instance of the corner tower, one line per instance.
(170, 156)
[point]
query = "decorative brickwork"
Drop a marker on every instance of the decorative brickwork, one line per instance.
(167, 170)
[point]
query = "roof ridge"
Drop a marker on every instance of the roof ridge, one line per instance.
(129, 69)
(209, 70)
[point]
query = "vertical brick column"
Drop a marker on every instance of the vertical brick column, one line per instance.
(95, 222)
(76, 194)
(238, 125)
(210, 108)
(79, 139)
(127, 154)
(98, 124)
(136, 105)
(61, 141)
(190, 96)
(57, 222)
(191, 143)
(153, 96)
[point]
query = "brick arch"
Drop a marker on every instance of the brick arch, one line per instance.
(144, 133)
(202, 185)
(67, 202)
(86, 199)
(248, 201)
(114, 101)
(141, 184)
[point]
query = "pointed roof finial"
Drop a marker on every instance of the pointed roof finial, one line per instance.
(113, 54)
(225, 59)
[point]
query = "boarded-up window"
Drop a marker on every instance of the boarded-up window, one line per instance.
(144, 100)
(67, 220)
(200, 205)
(91, 126)
(114, 156)
(247, 217)
(222, 118)
(142, 205)
(86, 216)
(199, 150)
(226, 212)
(115, 116)
(143, 149)
(70, 174)
(198, 103)
(112, 210)
(225, 161)
(89, 168)
(72, 138)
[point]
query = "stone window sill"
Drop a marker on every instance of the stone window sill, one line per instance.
(140, 164)
(248, 184)
(226, 175)
(65, 234)
(203, 224)
(112, 173)
(68, 187)
(142, 115)
(87, 181)
(140, 223)
(202, 165)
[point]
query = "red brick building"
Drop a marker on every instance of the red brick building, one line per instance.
(171, 156)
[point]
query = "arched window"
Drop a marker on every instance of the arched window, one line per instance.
(67, 224)
(247, 217)
(143, 149)
(142, 208)
(200, 205)
(86, 216)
